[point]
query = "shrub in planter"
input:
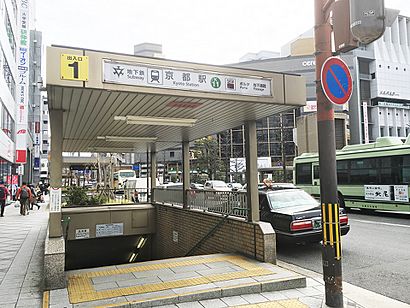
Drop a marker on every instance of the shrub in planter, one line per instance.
(76, 196)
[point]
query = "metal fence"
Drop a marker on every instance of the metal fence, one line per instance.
(221, 202)
(172, 196)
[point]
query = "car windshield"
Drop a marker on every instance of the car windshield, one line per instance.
(289, 198)
(127, 174)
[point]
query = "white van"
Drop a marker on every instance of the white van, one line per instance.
(139, 185)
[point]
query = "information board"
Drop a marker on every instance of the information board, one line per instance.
(103, 230)
(55, 200)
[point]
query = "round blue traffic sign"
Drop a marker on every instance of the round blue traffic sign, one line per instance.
(336, 81)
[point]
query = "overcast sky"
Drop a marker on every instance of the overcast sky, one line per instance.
(211, 31)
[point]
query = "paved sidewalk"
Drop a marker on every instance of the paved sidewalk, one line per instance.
(21, 278)
(21, 257)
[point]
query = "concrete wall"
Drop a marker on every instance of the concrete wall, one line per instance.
(178, 230)
(136, 219)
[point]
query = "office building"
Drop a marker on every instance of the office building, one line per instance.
(14, 87)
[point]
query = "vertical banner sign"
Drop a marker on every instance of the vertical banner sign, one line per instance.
(55, 200)
(365, 123)
(22, 83)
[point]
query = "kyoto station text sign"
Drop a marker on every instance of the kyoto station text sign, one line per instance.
(165, 77)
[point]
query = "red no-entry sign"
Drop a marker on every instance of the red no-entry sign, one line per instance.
(336, 81)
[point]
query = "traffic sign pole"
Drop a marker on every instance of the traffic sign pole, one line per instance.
(331, 253)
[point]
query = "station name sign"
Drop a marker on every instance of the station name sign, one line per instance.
(189, 80)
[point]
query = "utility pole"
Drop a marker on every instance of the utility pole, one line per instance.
(354, 20)
(332, 265)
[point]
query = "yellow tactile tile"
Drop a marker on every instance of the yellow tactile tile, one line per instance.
(80, 286)
(46, 299)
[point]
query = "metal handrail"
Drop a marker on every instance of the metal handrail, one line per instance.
(212, 231)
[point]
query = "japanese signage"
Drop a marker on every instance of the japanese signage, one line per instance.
(365, 123)
(377, 192)
(109, 229)
(170, 78)
(397, 193)
(22, 83)
(74, 67)
(12, 179)
(82, 234)
(401, 193)
(55, 200)
(311, 106)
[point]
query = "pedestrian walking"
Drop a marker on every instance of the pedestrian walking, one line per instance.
(32, 200)
(24, 195)
(4, 192)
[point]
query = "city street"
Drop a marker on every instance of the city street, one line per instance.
(376, 254)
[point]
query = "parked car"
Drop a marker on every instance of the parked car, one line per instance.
(216, 185)
(295, 215)
(196, 186)
(235, 186)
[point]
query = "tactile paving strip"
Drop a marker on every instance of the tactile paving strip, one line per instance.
(80, 286)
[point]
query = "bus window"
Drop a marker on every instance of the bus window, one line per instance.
(316, 172)
(363, 171)
(304, 173)
(405, 178)
(343, 172)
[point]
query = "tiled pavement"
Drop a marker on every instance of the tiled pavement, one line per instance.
(21, 257)
(21, 279)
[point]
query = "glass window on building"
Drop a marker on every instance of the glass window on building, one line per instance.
(8, 76)
(275, 149)
(238, 151)
(10, 34)
(274, 121)
(288, 134)
(5, 170)
(288, 120)
(7, 122)
(262, 135)
(290, 149)
(237, 136)
(262, 123)
(274, 135)
(263, 149)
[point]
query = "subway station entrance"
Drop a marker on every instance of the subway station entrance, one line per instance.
(105, 102)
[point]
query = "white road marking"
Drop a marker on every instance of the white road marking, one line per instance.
(379, 223)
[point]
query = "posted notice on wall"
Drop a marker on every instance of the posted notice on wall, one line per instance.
(55, 200)
(109, 229)
(82, 234)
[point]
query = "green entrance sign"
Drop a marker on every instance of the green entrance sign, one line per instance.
(215, 82)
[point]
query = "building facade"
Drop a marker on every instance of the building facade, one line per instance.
(380, 103)
(35, 110)
(9, 42)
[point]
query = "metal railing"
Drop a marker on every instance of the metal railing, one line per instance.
(172, 196)
(221, 202)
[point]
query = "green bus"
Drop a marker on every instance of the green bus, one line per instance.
(373, 176)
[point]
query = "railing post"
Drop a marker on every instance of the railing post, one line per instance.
(185, 172)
